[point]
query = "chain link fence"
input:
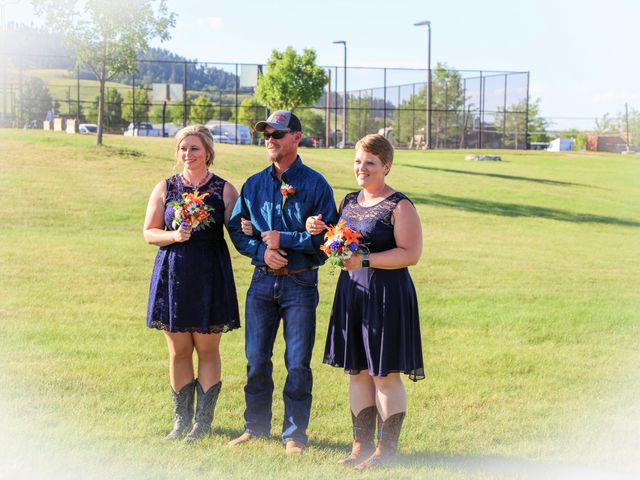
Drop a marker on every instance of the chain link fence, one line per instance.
(462, 109)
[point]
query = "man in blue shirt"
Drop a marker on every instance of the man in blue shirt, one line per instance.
(277, 202)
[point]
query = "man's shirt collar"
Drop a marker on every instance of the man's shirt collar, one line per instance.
(289, 172)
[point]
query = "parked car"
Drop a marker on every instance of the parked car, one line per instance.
(244, 134)
(348, 145)
(142, 129)
(311, 142)
(217, 138)
(87, 128)
(221, 131)
(230, 130)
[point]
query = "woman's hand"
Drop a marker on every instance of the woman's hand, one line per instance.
(247, 228)
(182, 234)
(315, 225)
(354, 262)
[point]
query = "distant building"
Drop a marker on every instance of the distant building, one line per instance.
(606, 143)
(561, 145)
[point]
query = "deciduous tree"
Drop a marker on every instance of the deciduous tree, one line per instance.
(512, 121)
(250, 112)
(36, 101)
(142, 106)
(107, 34)
(112, 109)
(312, 122)
(447, 109)
(291, 80)
(202, 110)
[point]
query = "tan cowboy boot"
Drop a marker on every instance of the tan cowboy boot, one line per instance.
(364, 429)
(388, 434)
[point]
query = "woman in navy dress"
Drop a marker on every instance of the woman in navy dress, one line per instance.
(192, 297)
(374, 329)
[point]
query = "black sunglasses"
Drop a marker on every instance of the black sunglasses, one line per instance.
(277, 135)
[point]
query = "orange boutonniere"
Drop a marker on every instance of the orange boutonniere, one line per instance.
(287, 191)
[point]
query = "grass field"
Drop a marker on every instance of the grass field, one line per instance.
(63, 84)
(528, 290)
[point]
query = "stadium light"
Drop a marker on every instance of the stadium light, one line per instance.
(344, 96)
(427, 130)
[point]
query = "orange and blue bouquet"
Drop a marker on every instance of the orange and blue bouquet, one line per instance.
(341, 243)
(192, 212)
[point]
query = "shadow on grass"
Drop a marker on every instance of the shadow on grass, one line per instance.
(510, 467)
(515, 210)
(339, 447)
(502, 176)
(122, 151)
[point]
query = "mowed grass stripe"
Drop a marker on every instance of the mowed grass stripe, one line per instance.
(527, 289)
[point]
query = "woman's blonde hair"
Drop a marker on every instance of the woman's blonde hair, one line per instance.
(201, 132)
(377, 145)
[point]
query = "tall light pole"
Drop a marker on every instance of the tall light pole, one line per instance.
(344, 96)
(427, 130)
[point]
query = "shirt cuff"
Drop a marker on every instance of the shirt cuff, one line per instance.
(260, 253)
(286, 239)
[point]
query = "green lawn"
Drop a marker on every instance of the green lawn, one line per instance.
(529, 300)
(63, 84)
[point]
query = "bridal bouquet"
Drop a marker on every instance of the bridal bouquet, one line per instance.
(192, 212)
(341, 242)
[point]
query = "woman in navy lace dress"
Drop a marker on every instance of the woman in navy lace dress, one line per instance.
(374, 329)
(192, 297)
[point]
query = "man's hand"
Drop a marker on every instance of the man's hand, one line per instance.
(271, 239)
(275, 258)
(315, 225)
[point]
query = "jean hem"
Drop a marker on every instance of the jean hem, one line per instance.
(295, 439)
(256, 433)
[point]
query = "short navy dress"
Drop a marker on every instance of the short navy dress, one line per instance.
(374, 324)
(192, 287)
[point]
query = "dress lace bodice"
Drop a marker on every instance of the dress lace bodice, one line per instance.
(374, 222)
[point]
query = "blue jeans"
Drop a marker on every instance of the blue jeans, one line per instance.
(293, 298)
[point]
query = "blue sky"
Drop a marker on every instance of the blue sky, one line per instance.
(579, 53)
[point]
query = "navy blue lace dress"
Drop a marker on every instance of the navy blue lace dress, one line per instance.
(192, 287)
(374, 322)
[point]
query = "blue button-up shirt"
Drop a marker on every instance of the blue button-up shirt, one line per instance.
(262, 202)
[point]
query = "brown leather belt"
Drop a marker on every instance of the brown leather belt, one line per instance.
(280, 272)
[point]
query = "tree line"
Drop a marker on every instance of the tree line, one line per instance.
(293, 81)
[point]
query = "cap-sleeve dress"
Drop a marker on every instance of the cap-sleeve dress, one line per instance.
(192, 287)
(374, 323)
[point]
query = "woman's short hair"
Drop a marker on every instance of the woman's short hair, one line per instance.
(199, 131)
(377, 145)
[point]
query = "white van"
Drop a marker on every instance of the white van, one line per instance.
(229, 130)
(142, 129)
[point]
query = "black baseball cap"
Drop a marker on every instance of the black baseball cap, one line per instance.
(281, 120)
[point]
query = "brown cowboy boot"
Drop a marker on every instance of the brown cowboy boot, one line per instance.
(388, 434)
(364, 429)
